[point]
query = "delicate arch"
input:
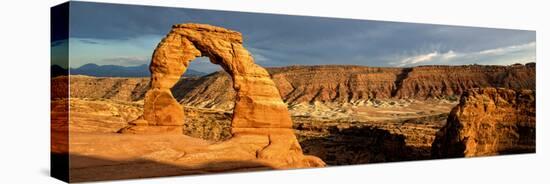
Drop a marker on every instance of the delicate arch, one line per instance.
(259, 116)
(258, 105)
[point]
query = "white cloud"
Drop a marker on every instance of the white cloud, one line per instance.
(502, 50)
(449, 55)
(521, 53)
(423, 58)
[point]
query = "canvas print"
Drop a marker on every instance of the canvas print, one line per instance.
(144, 91)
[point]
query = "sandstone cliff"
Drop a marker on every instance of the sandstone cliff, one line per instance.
(353, 84)
(489, 121)
(329, 83)
(441, 81)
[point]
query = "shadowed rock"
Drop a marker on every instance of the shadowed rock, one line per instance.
(489, 121)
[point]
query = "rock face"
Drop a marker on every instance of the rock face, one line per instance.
(353, 84)
(259, 109)
(326, 84)
(489, 121)
(438, 81)
(120, 89)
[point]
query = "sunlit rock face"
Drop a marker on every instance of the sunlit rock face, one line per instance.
(259, 114)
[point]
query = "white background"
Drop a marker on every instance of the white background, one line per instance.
(24, 91)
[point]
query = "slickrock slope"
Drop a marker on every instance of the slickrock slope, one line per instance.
(59, 127)
(101, 115)
(337, 142)
(489, 121)
(109, 116)
(259, 117)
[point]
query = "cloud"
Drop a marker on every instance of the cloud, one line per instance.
(280, 40)
(269, 58)
(520, 53)
(88, 41)
(419, 59)
(59, 53)
(58, 43)
(512, 48)
(449, 55)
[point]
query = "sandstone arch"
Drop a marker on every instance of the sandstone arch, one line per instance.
(258, 104)
(259, 113)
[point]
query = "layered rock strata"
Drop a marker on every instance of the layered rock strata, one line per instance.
(358, 84)
(489, 121)
(325, 84)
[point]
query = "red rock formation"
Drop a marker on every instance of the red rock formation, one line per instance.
(259, 109)
(59, 87)
(334, 83)
(489, 121)
(121, 89)
(258, 103)
(438, 81)
(339, 84)
(345, 84)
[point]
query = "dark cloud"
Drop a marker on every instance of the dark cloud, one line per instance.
(87, 41)
(278, 40)
(58, 43)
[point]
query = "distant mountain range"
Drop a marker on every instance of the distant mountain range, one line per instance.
(122, 71)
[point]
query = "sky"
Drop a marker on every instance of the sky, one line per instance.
(126, 35)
